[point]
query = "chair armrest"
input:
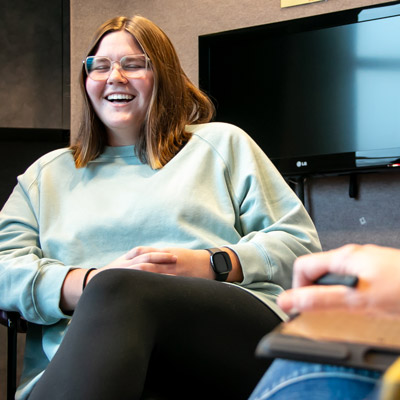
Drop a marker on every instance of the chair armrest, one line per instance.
(13, 320)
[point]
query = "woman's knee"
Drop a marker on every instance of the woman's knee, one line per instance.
(125, 287)
(114, 287)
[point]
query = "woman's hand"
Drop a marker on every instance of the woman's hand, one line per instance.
(197, 263)
(145, 258)
(172, 261)
(169, 261)
(378, 271)
(194, 263)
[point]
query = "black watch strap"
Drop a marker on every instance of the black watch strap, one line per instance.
(214, 250)
(220, 263)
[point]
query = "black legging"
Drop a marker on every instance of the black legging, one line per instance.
(141, 335)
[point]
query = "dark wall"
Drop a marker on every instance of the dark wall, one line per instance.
(19, 148)
(34, 64)
(34, 98)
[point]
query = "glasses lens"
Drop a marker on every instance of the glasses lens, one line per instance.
(134, 66)
(98, 68)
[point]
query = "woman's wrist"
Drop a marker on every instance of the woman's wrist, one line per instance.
(71, 289)
(236, 275)
(86, 277)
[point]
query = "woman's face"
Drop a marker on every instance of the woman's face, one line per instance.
(121, 117)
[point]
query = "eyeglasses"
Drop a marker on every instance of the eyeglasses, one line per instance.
(99, 68)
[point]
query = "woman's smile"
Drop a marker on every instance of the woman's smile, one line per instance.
(119, 98)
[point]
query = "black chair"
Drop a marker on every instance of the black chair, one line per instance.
(14, 325)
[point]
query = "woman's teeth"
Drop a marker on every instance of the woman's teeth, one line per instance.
(119, 97)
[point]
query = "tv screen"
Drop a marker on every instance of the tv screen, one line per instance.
(319, 94)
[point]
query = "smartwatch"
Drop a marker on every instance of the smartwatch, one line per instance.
(220, 263)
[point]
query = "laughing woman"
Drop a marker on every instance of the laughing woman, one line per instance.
(147, 257)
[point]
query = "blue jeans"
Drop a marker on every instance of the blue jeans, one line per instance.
(294, 380)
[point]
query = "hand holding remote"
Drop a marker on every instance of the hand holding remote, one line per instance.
(363, 278)
(331, 278)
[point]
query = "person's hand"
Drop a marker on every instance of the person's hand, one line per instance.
(378, 289)
(191, 263)
(197, 263)
(144, 258)
(169, 261)
(172, 261)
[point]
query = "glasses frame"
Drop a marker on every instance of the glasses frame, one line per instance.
(121, 70)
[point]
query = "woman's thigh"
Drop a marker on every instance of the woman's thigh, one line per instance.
(171, 337)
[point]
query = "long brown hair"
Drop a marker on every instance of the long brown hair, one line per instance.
(175, 101)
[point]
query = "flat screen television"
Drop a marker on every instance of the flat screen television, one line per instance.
(320, 95)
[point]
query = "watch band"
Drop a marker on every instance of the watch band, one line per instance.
(220, 263)
(214, 250)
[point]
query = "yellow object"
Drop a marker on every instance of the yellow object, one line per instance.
(290, 3)
(390, 389)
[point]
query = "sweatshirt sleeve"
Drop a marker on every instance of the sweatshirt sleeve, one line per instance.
(275, 227)
(30, 283)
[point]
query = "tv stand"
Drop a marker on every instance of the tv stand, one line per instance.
(297, 185)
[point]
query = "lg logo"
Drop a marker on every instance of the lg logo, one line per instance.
(300, 164)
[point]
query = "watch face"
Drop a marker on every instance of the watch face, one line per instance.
(222, 262)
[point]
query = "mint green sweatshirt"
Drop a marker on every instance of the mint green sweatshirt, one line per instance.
(219, 190)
